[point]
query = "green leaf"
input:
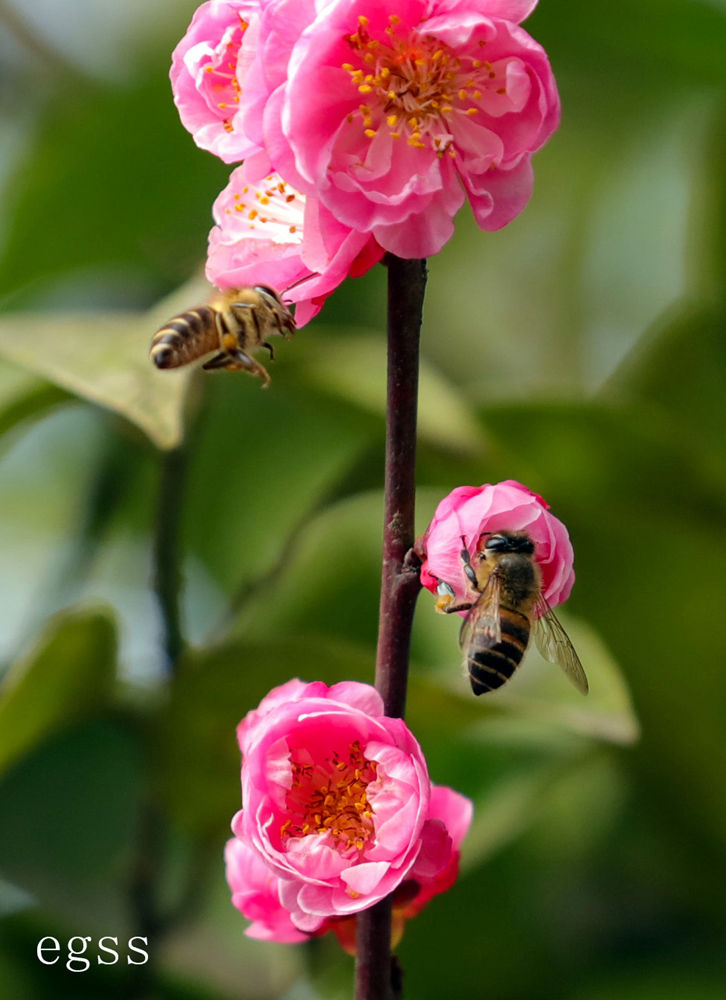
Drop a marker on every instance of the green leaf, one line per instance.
(68, 674)
(103, 357)
(680, 367)
(351, 364)
(70, 825)
(23, 396)
(112, 183)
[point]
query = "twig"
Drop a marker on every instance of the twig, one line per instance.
(376, 976)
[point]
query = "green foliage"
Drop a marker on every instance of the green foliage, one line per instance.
(68, 674)
(581, 351)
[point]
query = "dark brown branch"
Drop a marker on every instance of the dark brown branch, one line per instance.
(375, 978)
(167, 575)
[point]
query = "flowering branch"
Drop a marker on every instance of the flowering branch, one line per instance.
(377, 978)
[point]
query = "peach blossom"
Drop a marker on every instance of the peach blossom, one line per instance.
(336, 800)
(268, 233)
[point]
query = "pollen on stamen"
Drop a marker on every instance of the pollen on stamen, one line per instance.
(370, 132)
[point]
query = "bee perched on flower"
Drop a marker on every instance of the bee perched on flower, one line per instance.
(496, 555)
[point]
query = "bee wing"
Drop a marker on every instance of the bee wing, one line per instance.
(554, 645)
(484, 615)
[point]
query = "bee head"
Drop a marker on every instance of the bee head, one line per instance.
(269, 294)
(500, 542)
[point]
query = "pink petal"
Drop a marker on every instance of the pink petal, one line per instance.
(364, 878)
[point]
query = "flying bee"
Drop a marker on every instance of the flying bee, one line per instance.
(232, 323)
(509, 608)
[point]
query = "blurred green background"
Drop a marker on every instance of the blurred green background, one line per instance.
(580, 351)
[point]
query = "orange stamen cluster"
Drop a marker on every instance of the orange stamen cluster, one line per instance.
(329, 796)
(252, 202)
(225, 77)
(412, 83)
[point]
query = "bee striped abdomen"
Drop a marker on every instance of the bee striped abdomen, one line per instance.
(185, 338)
(491, 664)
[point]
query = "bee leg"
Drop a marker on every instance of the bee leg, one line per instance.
(449, 609)
(468, 568)
(239, 360)
(218, 361)
(445, 597)
(270, 348)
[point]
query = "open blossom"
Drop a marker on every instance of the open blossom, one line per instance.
(393, 119)
(267, 233)
(390, 120)
(206, 69)
(339, 809)
(255, 888)
(470, 511)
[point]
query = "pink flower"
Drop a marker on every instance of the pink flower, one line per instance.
(256, 890)
(255, 894)
(206, 69)
(267, 233)
(469, 511)
(454, 812)
(337, 800)
(393, 119)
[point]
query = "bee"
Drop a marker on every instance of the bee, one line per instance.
(509, 608)
(233, 322)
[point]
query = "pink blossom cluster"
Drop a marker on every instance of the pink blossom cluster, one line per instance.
(339, 811)
(468, 512)
(360, 130)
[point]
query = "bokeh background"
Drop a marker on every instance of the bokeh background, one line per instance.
(580, 351)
